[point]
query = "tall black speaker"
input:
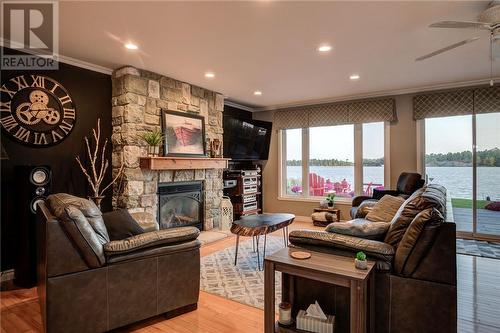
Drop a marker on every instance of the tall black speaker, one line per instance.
(33, 184)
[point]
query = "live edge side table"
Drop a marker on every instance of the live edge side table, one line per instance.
(354, 305)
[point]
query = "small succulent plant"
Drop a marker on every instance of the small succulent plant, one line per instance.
(330, 198)
(361, 256)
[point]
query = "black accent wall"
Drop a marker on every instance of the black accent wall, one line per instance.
(91, 93)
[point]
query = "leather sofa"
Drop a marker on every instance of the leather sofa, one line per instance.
(415, 272)
(408, 182)
(87, 283)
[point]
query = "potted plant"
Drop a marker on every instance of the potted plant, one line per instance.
(330, 199)
(154, 140)
(360, 260)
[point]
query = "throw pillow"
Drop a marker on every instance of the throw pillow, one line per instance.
(359, 228)
(121, 224)
(385, 209)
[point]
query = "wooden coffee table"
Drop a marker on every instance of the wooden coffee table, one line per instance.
(327, 268)
(258, 225)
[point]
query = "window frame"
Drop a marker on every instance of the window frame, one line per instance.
(358, 165)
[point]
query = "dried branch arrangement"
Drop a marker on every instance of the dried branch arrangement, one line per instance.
(95, 175)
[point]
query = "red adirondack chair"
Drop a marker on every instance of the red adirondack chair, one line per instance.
(369, 190)
(316, 185)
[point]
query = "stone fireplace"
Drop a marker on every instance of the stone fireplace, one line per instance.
(139, 97)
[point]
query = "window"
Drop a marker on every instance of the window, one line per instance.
(331, 161)
(325, 160)
(373, 157)
(293, 158)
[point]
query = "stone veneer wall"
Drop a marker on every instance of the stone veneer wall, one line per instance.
(138, 98)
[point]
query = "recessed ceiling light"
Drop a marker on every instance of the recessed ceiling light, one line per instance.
(324, 48)
(131, 46)
(354, 77)
(257, 93)
(209, 75)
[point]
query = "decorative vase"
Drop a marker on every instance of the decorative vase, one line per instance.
(97, 200)
(153, 151)
(360, 264)
(330, 204)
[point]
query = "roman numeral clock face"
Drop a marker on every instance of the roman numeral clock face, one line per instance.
(36, 110)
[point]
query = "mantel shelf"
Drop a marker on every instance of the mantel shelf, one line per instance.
(183, 163)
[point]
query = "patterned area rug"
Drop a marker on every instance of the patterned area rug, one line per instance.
(242, 283)
(478, 248)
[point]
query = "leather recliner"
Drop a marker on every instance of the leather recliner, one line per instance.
(408, 182)
(87, 283)
(415, 272)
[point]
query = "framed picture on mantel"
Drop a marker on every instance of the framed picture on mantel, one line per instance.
(184, 134)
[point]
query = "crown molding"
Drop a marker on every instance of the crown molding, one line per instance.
(66, 60)
(239, 106)
(385, 93)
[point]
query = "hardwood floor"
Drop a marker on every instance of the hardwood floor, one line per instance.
(478, 304)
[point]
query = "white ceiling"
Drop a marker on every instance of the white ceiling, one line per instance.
(271, 45)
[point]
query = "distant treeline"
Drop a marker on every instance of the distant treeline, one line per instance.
(489, 157)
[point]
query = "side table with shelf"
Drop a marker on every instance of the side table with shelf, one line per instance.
(340, 288)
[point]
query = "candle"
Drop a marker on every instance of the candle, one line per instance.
(285, 313)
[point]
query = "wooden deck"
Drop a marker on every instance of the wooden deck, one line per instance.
(488, 221)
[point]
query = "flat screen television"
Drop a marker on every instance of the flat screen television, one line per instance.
(246, 139)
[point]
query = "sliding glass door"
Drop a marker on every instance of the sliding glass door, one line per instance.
(448, 162)
(462, 153)
(488, 174)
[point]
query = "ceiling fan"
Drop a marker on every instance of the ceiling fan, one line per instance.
(488, 20)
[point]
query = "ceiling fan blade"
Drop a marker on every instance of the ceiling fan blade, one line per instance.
(450, 47)
(461, 25)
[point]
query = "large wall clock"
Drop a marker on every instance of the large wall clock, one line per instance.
(36, 110)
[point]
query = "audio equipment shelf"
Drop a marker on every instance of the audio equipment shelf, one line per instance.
(183, 163)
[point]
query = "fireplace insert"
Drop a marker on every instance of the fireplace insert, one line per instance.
(180, 204)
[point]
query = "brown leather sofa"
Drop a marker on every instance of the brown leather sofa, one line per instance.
(87, 283)
(415, 275)
(408, 182)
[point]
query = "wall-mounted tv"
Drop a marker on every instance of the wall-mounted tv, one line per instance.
(246, 139)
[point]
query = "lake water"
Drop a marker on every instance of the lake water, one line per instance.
(458, 180)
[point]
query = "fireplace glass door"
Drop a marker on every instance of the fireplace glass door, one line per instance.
(181, 205)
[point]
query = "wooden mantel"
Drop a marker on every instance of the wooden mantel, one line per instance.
(182, 163)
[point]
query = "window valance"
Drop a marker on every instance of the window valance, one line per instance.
(456, 103)
(336, 114)
(487, 100)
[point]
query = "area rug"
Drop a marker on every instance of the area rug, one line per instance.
(478, 248)
(243, 283)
